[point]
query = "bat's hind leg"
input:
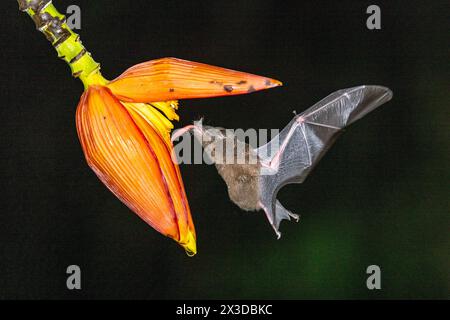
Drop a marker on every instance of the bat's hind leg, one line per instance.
(281, 213)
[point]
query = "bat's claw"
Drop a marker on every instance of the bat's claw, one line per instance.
(275, 217)
(294, 216)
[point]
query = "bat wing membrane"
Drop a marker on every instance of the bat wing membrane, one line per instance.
(291, 155)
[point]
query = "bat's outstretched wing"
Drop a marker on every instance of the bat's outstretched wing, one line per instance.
(292, 154)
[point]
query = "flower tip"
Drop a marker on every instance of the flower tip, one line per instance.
(190, 244)
(274, 83)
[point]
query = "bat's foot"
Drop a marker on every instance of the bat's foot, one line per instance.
(278, 233)
(294, 216)
(281, 213)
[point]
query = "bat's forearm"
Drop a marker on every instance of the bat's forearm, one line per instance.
(66, 42)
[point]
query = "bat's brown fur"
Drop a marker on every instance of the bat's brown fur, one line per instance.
(242, 179)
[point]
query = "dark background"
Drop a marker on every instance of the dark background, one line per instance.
(380, 196)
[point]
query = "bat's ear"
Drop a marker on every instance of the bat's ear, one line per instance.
(172, 79)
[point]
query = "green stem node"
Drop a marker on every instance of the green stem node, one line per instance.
(66, 42)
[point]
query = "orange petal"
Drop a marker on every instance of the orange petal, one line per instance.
(162, 146)
(172, 79)
(133, 161)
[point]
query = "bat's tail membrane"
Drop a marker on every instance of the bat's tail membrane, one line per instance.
(281, 213)
(291, 155)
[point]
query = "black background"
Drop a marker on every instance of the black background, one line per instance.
(380, 196)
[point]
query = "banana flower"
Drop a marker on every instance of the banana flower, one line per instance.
(124, 125)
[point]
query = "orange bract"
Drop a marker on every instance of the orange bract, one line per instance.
(172, 79)
(134, 162)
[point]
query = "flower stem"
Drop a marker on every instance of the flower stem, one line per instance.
(66, 42)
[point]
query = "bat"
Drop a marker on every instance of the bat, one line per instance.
(290, 156)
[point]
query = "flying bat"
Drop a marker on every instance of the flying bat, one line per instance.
(290, 156)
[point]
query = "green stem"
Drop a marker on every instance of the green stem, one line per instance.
(66, 42)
